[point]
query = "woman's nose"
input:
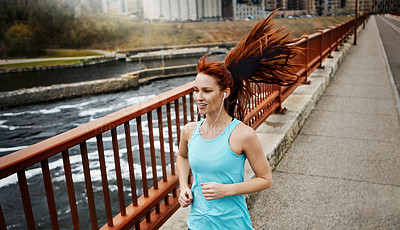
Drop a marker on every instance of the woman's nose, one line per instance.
(199, 96)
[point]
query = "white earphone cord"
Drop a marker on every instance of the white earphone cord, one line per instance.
(220, 110)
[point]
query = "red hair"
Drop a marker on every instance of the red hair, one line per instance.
(221, 74)
(264, 55)
(216, 70)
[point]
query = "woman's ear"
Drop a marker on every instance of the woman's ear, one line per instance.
(227, 92)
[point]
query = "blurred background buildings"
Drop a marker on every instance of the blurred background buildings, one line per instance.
(196, 10)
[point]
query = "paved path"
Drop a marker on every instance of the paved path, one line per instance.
(389, 29)
(343, 169)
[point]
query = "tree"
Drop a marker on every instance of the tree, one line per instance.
(20, 40)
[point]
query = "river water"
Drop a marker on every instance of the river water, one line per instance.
(13, 81)
(23, 126)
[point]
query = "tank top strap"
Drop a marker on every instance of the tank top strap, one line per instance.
(196, 131)
(232, 125)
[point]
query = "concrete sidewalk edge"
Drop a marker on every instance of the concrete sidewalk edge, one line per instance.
(279, 131)
(395, 92)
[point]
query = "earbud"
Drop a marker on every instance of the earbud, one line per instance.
(224, 95)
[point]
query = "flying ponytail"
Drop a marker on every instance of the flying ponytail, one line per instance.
(265, 55)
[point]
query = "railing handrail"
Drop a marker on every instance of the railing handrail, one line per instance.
(35, 153)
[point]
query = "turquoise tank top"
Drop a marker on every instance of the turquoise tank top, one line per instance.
(214, 161)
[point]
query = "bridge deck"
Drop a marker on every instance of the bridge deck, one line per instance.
(343, 169)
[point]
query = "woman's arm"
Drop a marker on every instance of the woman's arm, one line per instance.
(248, 142)
(183, 167)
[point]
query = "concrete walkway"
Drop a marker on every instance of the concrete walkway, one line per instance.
(343, 169)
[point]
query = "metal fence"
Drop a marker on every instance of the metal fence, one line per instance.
(155, 126)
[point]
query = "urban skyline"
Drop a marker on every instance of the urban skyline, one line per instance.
(192, 10)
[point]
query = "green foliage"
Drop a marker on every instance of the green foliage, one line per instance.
(94, 31)
(20, 39)
(69, 53)
(56, 24)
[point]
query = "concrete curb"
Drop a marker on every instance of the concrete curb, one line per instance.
(279, 131)
(391, 78)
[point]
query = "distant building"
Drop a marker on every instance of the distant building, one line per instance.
(363, 5)
(271, 5)
(227, 9)
(250, 9)
(314, 7)
(135, 7)
(128, 7)
(182, 10)
(114, 7)
(291, 7)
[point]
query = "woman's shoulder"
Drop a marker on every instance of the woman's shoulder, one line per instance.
(244, 131)
(191, 125)
(241, 137)
(188, 129)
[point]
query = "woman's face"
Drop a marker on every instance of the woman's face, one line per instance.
(207, 94)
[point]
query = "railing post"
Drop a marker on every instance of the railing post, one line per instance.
(49, 194)
(70, 189)
(331, 45)
(26, 200)
(307, 55)
(161, 139)
(104, 180)
(307, 59)
(142, 156)
(363, 19)
(337, 37)
(321, 38)
(280, 109)
(343, 32)
(88, 184)
(118, 171)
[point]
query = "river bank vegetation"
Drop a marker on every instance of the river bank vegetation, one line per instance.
(29, 28)
(55, 62)
(51, 53)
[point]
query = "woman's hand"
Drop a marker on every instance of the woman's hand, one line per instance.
(185, 197)
(213, 190)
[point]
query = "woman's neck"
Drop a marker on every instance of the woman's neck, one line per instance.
(213, 120)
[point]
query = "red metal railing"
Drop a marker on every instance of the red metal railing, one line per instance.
(395, 13)
(171, 110)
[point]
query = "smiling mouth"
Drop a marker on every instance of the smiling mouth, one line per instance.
(201, 105)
